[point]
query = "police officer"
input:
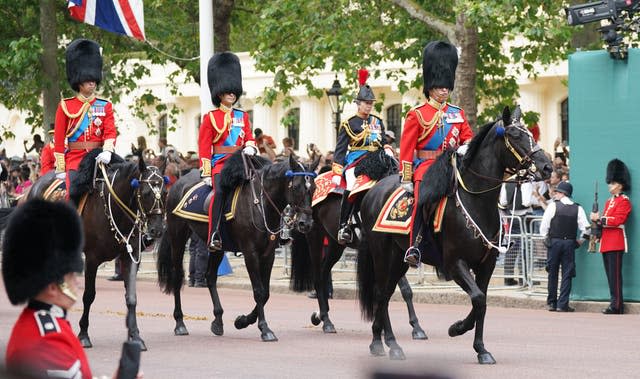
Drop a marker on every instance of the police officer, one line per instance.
(613, 242)
(361, 133)
(560, 221)
(223, 131)
(83, 122)
(431, 128)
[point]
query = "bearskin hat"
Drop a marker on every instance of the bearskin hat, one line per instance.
(439, 63)
(365, 93)
(84, 63)
(42, 243)
(225, 76)
(618, 172)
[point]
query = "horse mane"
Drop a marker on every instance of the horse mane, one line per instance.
(84, 179)
(475, 144)
(233, 173)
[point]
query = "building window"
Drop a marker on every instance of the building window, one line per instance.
(394, 119)
(162, 127)
(564, 120)
(292, 123)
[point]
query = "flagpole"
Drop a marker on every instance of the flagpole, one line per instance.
(206, 51)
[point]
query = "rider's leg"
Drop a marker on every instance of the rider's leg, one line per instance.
(345, 233)
(413, 255)
(215, 241)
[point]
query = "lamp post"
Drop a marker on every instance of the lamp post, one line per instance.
(333, 94)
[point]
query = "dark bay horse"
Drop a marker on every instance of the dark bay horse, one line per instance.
(124, 204)
(272, 195)
(310, 266)
(469, 235)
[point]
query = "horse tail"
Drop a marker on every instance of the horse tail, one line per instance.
(166, 272)
(301, 278)
(366, 281)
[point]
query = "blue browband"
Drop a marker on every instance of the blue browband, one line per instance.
(290, 174)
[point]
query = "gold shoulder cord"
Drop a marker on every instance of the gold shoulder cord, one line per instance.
(427, 127)
(81, 113)
(215, 127)
(358, 139)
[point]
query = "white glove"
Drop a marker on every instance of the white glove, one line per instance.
(61, 175)
(336, 179)
(104, 157)
(462, 150)
(389, 152)
(207, 181)
(249, 150)
(407, 186)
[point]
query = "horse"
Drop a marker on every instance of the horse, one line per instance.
(309, 266)
(470, 226)
(124, 207)
(270, 199)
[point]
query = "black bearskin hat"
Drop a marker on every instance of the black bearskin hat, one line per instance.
(439, 63)
(42, 243)
(618, 172)
(365, 93)
(84, 63)
(225, 76)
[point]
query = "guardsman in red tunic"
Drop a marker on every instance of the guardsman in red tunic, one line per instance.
(223, 131)
(83, 122)
(360, 134)
(42, 273)
(431, 128)
(613, 242)
(47, 159)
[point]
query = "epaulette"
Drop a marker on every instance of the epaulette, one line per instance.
(454, 106)
(99, 98)
(46, 322)
(239, 110)
(374, 116)
(624, 196)
(68, 98)
(418, 106)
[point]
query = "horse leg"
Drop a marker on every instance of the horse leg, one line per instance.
(482, 280)
(407, 294)
(177, 232)
(334, 252)
(217, 327)
(130, 273)
(261, 298)
(462, 276)
(394, 275)
(88, 297)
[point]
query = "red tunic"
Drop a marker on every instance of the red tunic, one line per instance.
(43, 343)
(616, 212)
(47, 160)
(69, 116)
(422, 132)
(216, 131)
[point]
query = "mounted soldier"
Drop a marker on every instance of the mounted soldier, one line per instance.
(223, 131)
(431, 128)
(83, 122)
(360, 134)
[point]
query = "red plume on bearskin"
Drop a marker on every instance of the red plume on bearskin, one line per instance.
(363, 75)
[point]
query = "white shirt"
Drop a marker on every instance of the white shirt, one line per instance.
(527, 193)
(550, 213)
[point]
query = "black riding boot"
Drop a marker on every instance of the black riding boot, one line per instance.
(345, 232)
(215, 240)
(413, 255)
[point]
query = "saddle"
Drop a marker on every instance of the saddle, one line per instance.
(195, 203)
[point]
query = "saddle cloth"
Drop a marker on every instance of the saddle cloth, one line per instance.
(57, 190)
(325, 187)
(194, 205)
(395, 216)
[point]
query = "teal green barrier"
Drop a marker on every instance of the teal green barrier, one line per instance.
(604, 123)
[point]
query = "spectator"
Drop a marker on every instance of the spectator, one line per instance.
(37, 144)
(47, 159)
(25, 182)
(198, 260)
(560, 221)
(391, 141)
(265, 144)
(287, 147)
(514, 200)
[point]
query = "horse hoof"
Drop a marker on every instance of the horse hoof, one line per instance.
(455, 329)
(396, 355)
(315, 318)
(85, 342)
(217, 328)
(181, 331)
(140, 342)
(376, 349)
(269, 337)
(328, 327)
(419, 335)
(486, 359)
(240, 322)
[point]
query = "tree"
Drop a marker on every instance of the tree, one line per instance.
(296, 39)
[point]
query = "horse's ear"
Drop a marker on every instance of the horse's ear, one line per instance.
(142, 166)
(314, 164)
(292, 162)
(506, 116)
(517, 115)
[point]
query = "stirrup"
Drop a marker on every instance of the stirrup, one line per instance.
(216, 242)
(413, 257)
(345, 235)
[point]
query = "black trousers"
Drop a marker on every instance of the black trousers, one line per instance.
(613, 268)
(561, 253)
(198, 258)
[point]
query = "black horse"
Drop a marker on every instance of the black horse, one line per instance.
(470, 227)
(123, 208)
(310, 266)
(273, 195)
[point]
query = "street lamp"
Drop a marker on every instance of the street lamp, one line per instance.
(333, 94)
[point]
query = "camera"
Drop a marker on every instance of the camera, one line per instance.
(616, 11)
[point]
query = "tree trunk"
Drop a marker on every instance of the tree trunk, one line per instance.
(50, 84)
(222, 24)
(464, 93)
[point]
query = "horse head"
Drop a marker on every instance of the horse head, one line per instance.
(299, 192)
(151, 193)
(525, 157)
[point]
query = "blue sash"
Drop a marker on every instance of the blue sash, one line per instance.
(84, 123)
(235, 131)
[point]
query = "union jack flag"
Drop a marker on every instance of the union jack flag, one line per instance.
(117, 16)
